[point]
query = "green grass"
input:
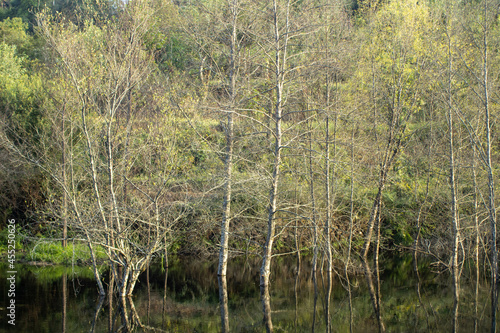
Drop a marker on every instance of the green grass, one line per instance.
(54, 253)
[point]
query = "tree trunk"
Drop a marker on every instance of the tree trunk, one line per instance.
(453, 191)
(491, 183)
(280, 49)
(226, 206)
(63, 177)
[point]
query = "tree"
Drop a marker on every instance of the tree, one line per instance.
(482, 33)
(394, 56)
(120, 163)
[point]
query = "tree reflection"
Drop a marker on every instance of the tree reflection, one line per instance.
(96, 314)
(64, 300)
(374, 295)
(224, 312)
(266, 306)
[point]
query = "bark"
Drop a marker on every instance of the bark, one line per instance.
(223, 301)
(313, 203)
(351, 225)
(280, 51)
(489, 169)
(63, 177)
(477, 239)
(326, 231)
(453, 191)
(373, 288)
(226, 206)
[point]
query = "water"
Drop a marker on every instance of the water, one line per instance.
(192, 299)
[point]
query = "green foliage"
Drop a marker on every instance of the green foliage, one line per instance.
(54, 253)
(4, 239)
(20, 95)
(23, 9)
(13, 32)
(385, 86)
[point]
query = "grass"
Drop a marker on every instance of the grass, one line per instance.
(54, 253)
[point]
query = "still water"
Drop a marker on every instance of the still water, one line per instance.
(59, 299)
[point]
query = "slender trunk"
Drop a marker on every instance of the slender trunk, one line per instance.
(93, 260)
(491, 183)
(110, 301)
(164, 304)
(373, 215)
(65, 195)
(315, 302)
(373, 294)
(296, 232)
(223, 300)
(313, 203)
(378, 295)
(453, 191)
(476, 243)
(266, 263)
(98, 199)
(226, 206)
(148, 286)
(280, 50)
(416, 242)
(111, 179)
(326, 231)
(351, 226)
(296, 293)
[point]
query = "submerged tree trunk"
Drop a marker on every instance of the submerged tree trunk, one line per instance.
(280, 50)
(223, 303)
(96, 314)
(453, 191)
(373, 288)
(477, 239)
(489, 169)
(326, 230)
(351, 227)
(313, 204)
(164, 302)
(226, 206)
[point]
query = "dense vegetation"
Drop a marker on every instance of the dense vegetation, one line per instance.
(341, 129)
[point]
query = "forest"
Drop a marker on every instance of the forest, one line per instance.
(337, 131)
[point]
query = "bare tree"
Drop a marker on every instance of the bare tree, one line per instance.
(133, 203)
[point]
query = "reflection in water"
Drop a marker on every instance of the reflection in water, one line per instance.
(126, 324)
(296, 291)
(192, 299)
(64, 300)
(149, 295)
(374, 295)
(165, 289)
(266, 306)
(328, 296)
(224, 312)
(111, 286)
(418, 289)
(315, 283)
(96, 313)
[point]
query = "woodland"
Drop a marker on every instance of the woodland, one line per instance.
(340, 130)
